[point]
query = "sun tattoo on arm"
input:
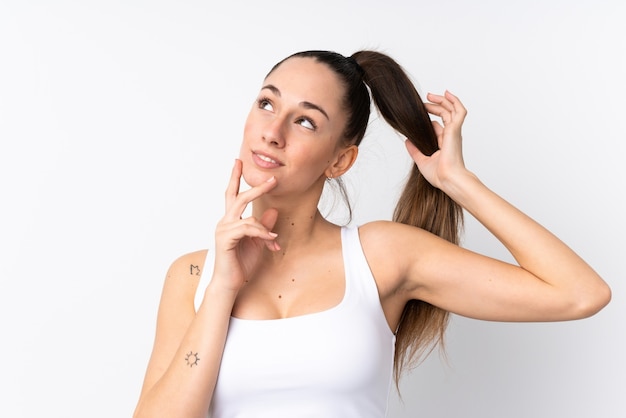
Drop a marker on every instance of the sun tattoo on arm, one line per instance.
(192, 359)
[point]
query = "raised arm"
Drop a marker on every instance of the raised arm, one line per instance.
(551, 281)
(188, 347)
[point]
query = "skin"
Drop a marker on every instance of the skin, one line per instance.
(292, 143)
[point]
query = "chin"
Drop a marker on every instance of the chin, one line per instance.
(253, 177)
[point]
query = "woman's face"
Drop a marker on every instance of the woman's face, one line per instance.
(295, 127)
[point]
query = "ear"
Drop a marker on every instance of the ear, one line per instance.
(343, 161)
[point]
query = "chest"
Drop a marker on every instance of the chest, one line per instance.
(290, 289)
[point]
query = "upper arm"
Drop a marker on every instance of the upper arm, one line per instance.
(416, 264)
(176, 311)
(477, 286)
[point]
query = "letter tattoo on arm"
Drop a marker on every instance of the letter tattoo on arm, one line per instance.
(194, 270)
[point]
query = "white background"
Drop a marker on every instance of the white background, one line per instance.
(119, 122)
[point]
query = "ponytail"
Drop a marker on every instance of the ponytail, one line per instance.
(422, 325)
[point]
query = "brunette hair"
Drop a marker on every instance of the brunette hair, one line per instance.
(422, 326)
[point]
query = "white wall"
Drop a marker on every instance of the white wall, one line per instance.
(119, 121)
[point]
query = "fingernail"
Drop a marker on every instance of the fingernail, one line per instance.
(273, 234)
(271, 179)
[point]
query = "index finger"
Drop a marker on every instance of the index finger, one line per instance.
(233, 184)
(456, 103)
(236, 201)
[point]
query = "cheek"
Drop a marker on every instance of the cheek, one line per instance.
(244, 156)
(248, 135)
(247, 129)
(251, 124)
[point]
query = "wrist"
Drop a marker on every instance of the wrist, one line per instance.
(461, 186)
(219, 294)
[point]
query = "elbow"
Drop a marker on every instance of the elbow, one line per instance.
(592, 301)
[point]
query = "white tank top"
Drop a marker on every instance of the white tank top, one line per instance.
(337, 363)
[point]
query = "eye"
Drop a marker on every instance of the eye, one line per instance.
(265, 104)
(307, 123)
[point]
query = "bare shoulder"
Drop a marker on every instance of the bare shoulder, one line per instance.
(190, 264)
(385, 237)
(179, 290)
(382, 230)
(392, 249)
(183, 276)
(384, 244)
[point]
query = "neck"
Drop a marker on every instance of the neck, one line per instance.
(296, 227)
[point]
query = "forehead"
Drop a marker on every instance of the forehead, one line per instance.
(305, 79)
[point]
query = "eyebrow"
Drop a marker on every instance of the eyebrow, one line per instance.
(305, 104)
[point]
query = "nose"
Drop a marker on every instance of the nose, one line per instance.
(273, 132)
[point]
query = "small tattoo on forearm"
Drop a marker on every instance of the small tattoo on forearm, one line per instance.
(194, 270)
(192, 359)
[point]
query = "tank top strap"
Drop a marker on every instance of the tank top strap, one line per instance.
(205, 277)
(360, 281)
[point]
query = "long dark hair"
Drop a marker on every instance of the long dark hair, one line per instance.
(422, 326)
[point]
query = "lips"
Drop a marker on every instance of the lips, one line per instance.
(265, 161)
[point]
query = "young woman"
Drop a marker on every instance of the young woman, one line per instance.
(303, 318)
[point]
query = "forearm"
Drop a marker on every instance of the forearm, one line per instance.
(186, 387)
(536, 249)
